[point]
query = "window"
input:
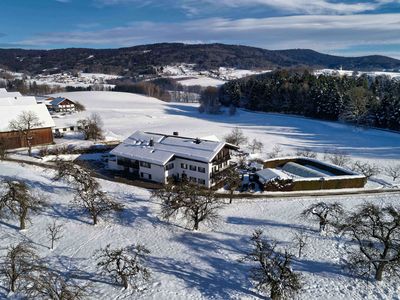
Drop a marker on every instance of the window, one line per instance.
(201, 169)
(184, 166)
(192, 168)
(193, 179)
(169, 167)
(145, 164)
(201, 181)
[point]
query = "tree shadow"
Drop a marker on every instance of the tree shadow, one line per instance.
(214, 283)
(67, 212)
(268, 223)
(221, 277)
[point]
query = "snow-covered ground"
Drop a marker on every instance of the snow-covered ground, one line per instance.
(392, 75)
(201, 81)
(186, 264)
(215, 77)
(124, 113)
(66, 79)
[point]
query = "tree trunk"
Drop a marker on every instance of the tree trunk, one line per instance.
(231, 197)
(30, 150)
(275, 295)
(124, 281)
(196, 224)
(379, 272)
(94, 219)
(22, 218)
(12, 285)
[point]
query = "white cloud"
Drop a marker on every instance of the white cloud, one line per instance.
(289, 6)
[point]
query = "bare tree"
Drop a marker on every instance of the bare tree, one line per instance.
(256, 146)
(393, 171)
(306, 152)
(193, 203)
(52, 286)
(232, 180)
(54, 233)
(338, 158)
(124, 265)
(276, 151)
(365, 168)
(79, 106)
(236, 137)
(77, 176)
(88, 194)
(18, 265)
(273, 274)
(25, 123)
(96, 202)
(17, 200)
(376, 231)
(300, 239)
(325, 213)
(91, 127)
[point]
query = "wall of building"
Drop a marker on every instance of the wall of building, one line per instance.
(194, 174)
(13, 140)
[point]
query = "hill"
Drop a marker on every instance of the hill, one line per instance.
(142, 59)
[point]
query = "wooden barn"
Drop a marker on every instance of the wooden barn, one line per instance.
(11, 108)
(60, 104)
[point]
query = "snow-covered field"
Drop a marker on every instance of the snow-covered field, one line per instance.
(81, 80)
(124, 113)
(185, 264)
(201, 81)
(202, 265)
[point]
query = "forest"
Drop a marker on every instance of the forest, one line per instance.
(361, 100)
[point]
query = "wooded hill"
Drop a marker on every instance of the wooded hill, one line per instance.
(142, 59)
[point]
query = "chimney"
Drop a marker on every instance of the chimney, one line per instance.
(197, 141)
(176, 133)
(151, 143)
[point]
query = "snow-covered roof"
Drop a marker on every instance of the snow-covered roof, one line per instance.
(9, 113)
(165, 147)
(57, 101)
(13, 101)
(268, 174)
(5, 94)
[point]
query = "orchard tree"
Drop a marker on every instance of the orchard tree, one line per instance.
(91, 127)
(232, 180)
(50, 285)
(256, 146)
(376, 232)
(273, 273)
(17, 200)
(189, 201)
(338, 158)
(24, 124)
(124, 265)
(276, 152)
(324, 213)
(18, 265)
(365, 168)
(393, 171)
(300, 240)
(96, 202)
(236, 137)
(54, 233)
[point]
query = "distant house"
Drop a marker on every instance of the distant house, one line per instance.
(159, 157)
(11, 108)
(60, 104)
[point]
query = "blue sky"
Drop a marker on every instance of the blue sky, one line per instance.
(353, 27)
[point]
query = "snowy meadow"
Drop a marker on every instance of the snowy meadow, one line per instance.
(204, 264)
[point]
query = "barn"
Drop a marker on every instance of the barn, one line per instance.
(13, 105)
(60, 104)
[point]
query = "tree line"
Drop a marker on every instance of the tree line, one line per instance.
(364, 100)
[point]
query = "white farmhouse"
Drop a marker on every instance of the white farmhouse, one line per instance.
(159, 157)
